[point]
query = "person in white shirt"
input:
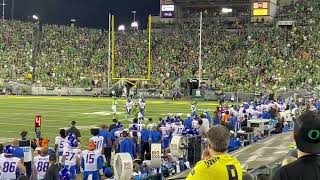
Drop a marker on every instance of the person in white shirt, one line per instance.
(205, 122)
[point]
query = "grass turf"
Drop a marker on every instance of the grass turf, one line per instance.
(17, 113)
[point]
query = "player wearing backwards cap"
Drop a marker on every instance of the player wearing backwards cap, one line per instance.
(91, 162)
(9, 164)
(70, 156)
(41, 164)
(307, 137)
(98, 140)
(216, 163)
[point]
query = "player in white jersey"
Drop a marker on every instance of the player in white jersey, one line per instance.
(9, 164)
(98, 140)
(142, 106)
(41, 164)
(194, 107)
(129, 106)
(91, 162)
(177, 127)
(71, 157)
(60, 142)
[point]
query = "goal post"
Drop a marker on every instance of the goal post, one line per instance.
(113, 58)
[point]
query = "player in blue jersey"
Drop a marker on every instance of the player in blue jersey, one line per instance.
(91, 162)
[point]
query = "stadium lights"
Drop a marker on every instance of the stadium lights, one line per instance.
(35, 17)
(121, 28)
(226, 10)
(134, 24)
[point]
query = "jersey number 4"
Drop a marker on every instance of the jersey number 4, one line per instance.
(232, 172)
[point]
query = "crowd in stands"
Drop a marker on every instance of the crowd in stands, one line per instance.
(260, 58)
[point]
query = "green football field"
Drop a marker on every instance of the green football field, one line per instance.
(17, 113)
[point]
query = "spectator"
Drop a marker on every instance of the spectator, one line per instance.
(53, 171)
(306, 136)
(216, 163)
(74, 130)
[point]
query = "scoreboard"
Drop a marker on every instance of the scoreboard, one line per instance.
(260, 9)
(167, 9)
(263, 10)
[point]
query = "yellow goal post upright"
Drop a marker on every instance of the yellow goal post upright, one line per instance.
(130, 80)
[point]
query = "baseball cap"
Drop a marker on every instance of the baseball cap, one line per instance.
(307, 132)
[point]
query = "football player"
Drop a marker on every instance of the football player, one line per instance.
(177, 127)
(60, 142)
(71, 157)
(129, 105)
(98, 140)
(41, 164)
(91, 162)
(9, 164)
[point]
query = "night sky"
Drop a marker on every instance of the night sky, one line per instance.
(89, 13)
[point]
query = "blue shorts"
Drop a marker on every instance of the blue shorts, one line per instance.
(95, 175)
(73, 170)
(165, 142)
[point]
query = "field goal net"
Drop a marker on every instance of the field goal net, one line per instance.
(130, 53)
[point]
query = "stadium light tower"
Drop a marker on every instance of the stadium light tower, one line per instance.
(134, 15)
(121, 28)
(3, 5)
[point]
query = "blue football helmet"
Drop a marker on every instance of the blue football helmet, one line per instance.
(134, 127)
(65, 174)
(119, 125)
(8, 150)
(73, 143)
(71, 137)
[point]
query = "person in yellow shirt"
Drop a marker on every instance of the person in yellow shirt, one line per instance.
(217, 164)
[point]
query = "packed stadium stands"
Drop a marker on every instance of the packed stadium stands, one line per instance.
(264, 57)
(236, 56)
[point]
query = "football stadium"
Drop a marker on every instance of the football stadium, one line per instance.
(160, 90)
